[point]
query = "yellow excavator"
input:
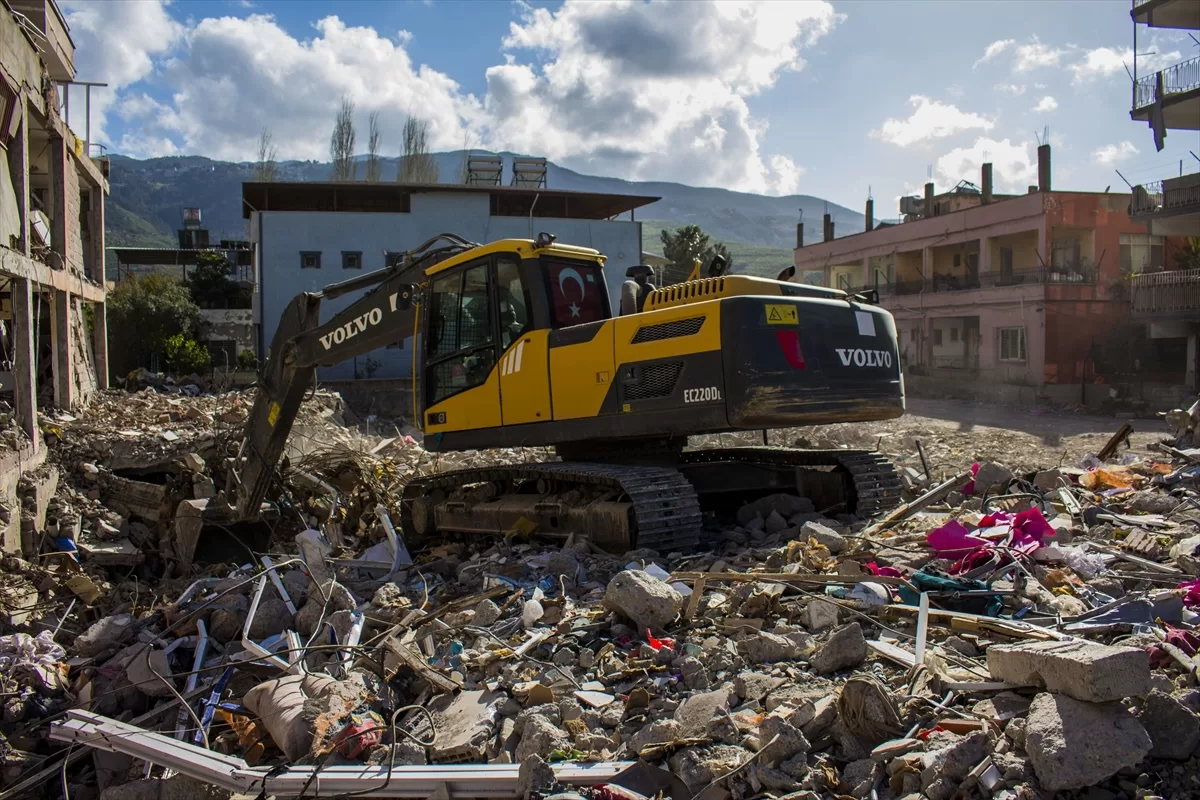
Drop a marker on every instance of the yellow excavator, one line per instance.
(516, 344)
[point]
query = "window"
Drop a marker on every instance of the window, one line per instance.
(352, 259)
(954, 334)
(958, 259)
(912, 335)
(1142, 253)
(512, 299)
(577, 292)
(460, 347)
(1012, 344)
(1006, 261)
(8, 112)
(937, 337)
(310, 259)
(1065, 252)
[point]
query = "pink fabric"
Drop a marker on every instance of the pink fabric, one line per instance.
(1191, 598)
(969, 489)
(954, 540)
(875, 569)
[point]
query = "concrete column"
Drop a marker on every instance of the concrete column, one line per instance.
(867, 279)
(1193, 358)
(100, 343)
(97, 197)
(927, 263)
(18, 161)
(57, 151)
(985, 255)
(927, 341)
(64, 378)
(24, 339)
(1043, 250)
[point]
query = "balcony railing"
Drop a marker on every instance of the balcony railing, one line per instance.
(1177, 79)
(1075, 274)
(1170, 196)
(1175, 293)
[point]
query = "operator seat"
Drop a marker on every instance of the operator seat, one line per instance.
(635, 290)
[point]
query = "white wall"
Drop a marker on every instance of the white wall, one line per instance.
(286, 233)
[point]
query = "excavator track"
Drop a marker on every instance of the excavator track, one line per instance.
(665, 508)
(874, 484)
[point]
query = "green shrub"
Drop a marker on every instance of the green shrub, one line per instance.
(185, 355)
(246, 360)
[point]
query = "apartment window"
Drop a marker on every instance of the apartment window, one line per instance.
(352, 259)
(8, 112)
(958, 259)
(954, 334)
(1012, 344)
(1065, 252)
(1141, 252)
(310, 259)
(937, 337)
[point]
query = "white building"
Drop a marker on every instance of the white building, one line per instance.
(309, 235)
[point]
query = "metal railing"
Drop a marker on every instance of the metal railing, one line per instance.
(1169, 195)
(1170, 293)
(1176, 79)
(1071, 274)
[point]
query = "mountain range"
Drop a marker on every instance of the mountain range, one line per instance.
(147, 197)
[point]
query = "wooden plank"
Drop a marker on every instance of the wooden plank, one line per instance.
(418, 665)
(978, 623)
(913, 506)
(694, 601)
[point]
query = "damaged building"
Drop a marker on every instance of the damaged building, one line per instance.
(52, 190)
(1020, 297)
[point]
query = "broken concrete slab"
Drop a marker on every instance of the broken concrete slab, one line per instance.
(754, 686)
(1074, 744)
(695, 712)
(105, 634)
(646, 600)
(1086, 671)
(845, 648)
(762, 647)
(1173, 727)
(824, 535)
(465, 724)
(786, 505)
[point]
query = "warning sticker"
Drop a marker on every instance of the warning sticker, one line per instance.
(779, 314)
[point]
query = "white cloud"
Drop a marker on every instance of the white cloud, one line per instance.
(1016, 90)
(994, 49)
(1014, 166)
(115, 43)
(626, 88)
(1047, 103)
(1111, 154)
(1105, 61)
(930, 119)
(1035, 54)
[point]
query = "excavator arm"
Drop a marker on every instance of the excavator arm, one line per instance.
(384, 315)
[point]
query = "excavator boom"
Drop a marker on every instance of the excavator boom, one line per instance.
(384, 315)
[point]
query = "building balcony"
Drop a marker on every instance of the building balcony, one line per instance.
(1079, 274)
(1180, 14)
(1170, 207)
(1174, 91)
(58, 51)
(1171, 295)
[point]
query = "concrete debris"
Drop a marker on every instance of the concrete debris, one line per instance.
(789, 656)
(1073, 744)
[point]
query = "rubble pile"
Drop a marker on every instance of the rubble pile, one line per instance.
(1014, 630)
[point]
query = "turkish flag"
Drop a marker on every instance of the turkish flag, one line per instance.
(576, 293)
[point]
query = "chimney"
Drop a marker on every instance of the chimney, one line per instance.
(799, 235)
(870, 214)
(827, 223)
(928, 208)
(1044, 168)
(987, 184)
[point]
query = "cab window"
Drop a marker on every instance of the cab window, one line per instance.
(512, 300)
(461, 346)
(577, 292)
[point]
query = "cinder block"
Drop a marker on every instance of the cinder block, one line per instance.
(1090, 672)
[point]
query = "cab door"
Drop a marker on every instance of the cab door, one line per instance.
(462, 385)
(524, 353)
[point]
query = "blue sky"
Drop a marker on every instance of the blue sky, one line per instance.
(817, 98)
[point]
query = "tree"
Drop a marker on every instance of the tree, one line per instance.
(682, 247)
(211, 281)
(417, 165)
(374, 138)
(341, 143)
(266, 170)
(143, 313)
(1187, 256)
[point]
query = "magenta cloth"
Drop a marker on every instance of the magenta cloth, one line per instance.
(1192, 598)
(1187, 641)
(875, 569)
(954, 540)
(969, 489)
(1030, 528)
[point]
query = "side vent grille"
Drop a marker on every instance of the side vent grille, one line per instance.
(689, 290)
(656, 380)
(668, 330)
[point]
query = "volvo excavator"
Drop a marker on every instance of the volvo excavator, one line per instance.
(515, 344)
